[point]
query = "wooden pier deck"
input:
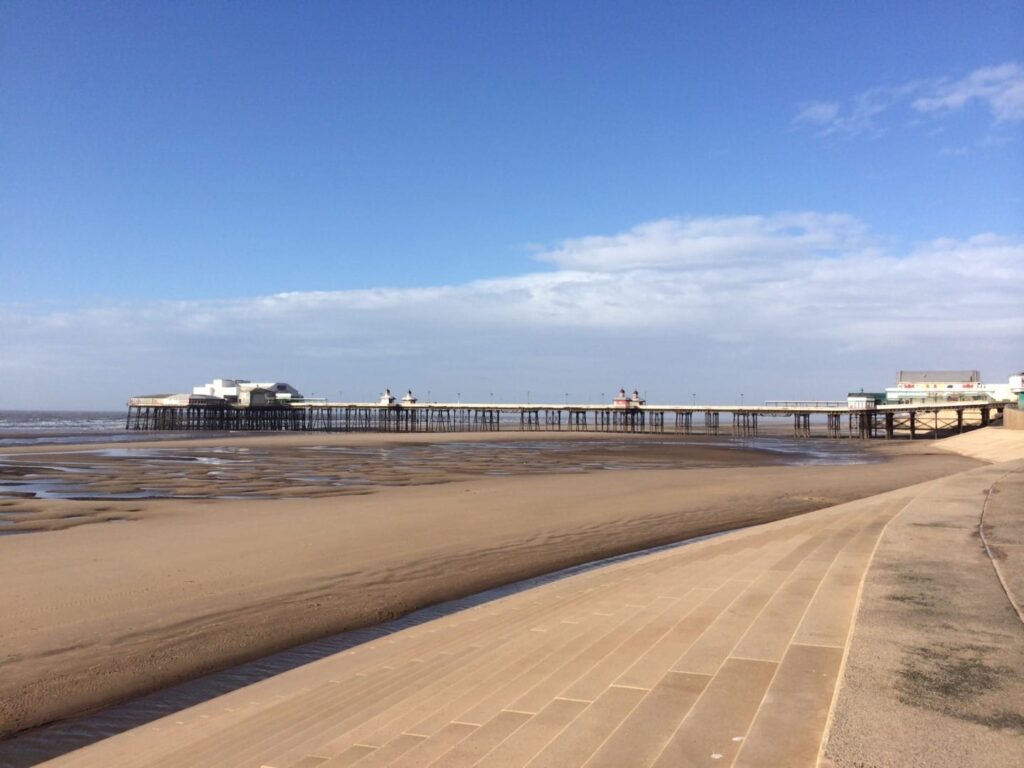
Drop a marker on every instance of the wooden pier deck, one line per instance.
(834, 421)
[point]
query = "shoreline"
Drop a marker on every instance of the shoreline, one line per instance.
(216, 583)
(171, 439)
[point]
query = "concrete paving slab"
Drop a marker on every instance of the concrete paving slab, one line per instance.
(434, 718)
(523, 745)
(297, 729)
(643, 735)
(485, 738)
(592, 684)
(309, 761)
(652, 665)
(424, 753)
(542, 664)
(575, 744)
(828, 617)
(390, 751)
(789, 726)
(351, 756)
(706, 655)
(769, 636)
(712, 733)
(562, 678)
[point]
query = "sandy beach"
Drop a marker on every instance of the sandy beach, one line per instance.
(96, 613)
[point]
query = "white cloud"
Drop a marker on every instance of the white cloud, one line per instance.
(814, 287)
(687, 243)
(999, 88)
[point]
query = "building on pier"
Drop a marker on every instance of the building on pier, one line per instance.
(1017, 388)
(864, 401)
(628, 401)
(241, 391)
(947, 386)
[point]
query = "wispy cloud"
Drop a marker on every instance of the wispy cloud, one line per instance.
(857, 117)
(817, 113)
(814, 286)
(1000, 89)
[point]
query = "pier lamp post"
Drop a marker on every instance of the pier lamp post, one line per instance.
(428, 396)
(602, 398)
(492, 398)
(741, 398)
(694, 396)
(458, 398)
(527, 397)
(566, 398)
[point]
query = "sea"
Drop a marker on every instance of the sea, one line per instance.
(61, 427)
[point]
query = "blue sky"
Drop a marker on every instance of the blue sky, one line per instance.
(785, 199)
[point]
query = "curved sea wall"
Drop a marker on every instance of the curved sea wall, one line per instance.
(1013, 418)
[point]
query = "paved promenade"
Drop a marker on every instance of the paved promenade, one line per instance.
(731, 651)
(935, 672)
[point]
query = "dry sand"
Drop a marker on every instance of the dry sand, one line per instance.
(97, 613)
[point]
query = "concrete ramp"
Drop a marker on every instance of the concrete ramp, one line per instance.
(994, 444)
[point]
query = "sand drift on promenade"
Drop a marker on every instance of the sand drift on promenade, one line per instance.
(97, 613)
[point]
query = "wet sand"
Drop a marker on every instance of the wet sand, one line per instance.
(96, 613)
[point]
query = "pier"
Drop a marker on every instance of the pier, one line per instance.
(808, 419)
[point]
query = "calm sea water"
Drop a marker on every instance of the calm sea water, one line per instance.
(56, 427)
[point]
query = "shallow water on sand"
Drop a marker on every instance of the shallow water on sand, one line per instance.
(220, 472)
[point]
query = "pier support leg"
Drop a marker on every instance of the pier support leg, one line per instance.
(711, 422)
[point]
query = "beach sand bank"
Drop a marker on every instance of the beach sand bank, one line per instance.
(97, 613)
